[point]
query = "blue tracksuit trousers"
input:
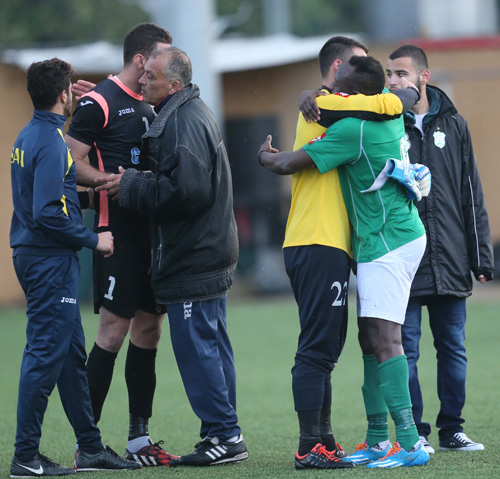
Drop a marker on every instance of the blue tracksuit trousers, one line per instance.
(54, 352)
(204, 355)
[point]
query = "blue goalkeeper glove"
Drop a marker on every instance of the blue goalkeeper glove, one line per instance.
(403, 172)
(423, 178)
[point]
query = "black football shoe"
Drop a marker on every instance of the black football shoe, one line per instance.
(320, 458)
(40, 466)
(105, 460)
(212, 451)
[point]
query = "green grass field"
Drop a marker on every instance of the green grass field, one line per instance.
(264, 335)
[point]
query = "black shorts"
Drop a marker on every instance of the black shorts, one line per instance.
(319, 276)
(122, 283)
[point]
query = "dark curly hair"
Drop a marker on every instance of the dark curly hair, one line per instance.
(46, 80)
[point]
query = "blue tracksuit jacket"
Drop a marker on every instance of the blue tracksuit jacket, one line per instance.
(46, 208)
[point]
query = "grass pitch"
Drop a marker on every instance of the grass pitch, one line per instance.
(264, 334)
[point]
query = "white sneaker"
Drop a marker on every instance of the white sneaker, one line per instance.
(425, 444)
(460, 442)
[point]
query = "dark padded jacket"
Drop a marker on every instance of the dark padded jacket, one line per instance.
(189, 199)
(454, 214)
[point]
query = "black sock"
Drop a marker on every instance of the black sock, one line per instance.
(325, 430)
(100, 365)
(137, 427)
(325, 422)
(309, 430)
(140, 376)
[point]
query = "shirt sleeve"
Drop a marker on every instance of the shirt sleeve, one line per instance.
(340, 144)
(49, 202)
(88, 120)
(381, 107)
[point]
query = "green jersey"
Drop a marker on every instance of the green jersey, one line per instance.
(381, 220)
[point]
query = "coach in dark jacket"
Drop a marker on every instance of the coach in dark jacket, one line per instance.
(458, 242)
(188, 196)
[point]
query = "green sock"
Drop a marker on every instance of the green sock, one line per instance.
(375, 406)
(394, 387)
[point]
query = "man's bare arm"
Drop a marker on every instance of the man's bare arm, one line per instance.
(86, 175)
(285, 162)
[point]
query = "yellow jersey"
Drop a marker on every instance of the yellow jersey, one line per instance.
(317, 211)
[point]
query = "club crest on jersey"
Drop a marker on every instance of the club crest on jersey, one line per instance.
(320, 137)
(135, 155)
(439, 139)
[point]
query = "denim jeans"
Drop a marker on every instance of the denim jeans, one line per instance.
(447, 315)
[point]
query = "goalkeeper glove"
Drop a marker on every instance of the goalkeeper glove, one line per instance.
(403, 172)
(423, 178)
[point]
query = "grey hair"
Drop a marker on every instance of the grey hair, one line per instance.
(178, 65)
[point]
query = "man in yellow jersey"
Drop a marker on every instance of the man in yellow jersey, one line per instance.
(317, 256)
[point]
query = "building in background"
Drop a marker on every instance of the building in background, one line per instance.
(256, 83)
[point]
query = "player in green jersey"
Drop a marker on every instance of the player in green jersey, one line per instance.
(388, 241)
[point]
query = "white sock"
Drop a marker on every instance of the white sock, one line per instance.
(381, 446)
(236, 438)
(138, 443)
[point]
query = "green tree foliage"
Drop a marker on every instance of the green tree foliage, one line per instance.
(24, 22)
(309, 17)
(66, 21)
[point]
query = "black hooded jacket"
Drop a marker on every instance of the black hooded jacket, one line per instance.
(189, 198)
(454, 214)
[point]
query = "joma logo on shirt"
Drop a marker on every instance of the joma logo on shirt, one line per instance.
(126, 111)
(68, 300)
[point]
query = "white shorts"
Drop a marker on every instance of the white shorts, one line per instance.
(384, 284)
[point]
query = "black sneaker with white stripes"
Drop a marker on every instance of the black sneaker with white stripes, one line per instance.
(459, 442)
(40, 465)
(212, 451)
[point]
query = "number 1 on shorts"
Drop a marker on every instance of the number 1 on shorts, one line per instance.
(109, 294)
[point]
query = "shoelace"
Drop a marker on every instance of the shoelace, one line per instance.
(394, 450)
(461, 437)
(46, 461)
(113, 453)
(361, 447)
(330, 455)
(158, 444)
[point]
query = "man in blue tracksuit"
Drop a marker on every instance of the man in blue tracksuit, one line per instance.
(46, 232)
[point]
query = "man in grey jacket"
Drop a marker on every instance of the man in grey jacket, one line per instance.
(188, 197)
(458, 242)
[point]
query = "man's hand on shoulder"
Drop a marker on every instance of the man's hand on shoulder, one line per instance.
(80, 87)
(308, 105)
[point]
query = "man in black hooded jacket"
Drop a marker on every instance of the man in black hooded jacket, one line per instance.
(458, 242)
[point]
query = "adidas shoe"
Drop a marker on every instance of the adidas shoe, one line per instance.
(213, 451)
(459, 442)
(426, 445)
(398, 457)
(364, 454)
(40, 466)
(339, 451)
(320, 458)
(152, 455)
(105, 460)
